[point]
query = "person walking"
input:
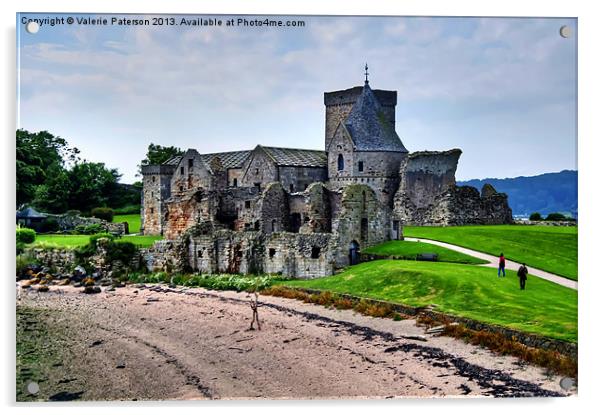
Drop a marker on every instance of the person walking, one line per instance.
(522, 276)
(501, 266)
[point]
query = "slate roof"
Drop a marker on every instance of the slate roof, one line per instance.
(229, 159)
(29, 213)
(369, 129)
(297, 157)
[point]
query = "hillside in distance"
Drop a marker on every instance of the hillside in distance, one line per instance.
(545, 193)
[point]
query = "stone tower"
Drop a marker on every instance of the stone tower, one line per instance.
(156, 185)
(361, 141)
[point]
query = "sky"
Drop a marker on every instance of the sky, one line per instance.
(504, 90)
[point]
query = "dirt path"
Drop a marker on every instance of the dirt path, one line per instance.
(493, 262)
(157, 343)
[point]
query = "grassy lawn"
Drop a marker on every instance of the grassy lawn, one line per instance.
(463, 290)
(409, 250)
(81, 240)
(551, 248)
(133, 221)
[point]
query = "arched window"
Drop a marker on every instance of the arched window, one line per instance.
(341, 162)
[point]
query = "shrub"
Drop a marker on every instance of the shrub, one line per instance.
(555, 216)
(23, 262)
(127, 210)
(49, 226)
(535, 216)
(91, 229)
(105, 213)
(25, 235)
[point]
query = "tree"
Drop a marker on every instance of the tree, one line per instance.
(36, 155)
(91, 185)
(158, 154)
(535, 216)
(555, 217)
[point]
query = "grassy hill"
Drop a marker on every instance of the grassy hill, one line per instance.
(464, 290)
(409, 250)
(550, 248)
(81, 240)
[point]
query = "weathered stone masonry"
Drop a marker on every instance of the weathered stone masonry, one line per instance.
(305, 213)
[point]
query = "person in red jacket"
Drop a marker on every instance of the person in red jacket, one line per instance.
(501, 266)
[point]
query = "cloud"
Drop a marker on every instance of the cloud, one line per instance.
(178, 83)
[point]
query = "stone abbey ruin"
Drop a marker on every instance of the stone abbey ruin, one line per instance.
(305, 213)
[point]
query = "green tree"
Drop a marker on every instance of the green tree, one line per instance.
(158, 154)
(535, 216)
(38, 154)
(91, 185)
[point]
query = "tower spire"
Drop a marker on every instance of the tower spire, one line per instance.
(366, 73)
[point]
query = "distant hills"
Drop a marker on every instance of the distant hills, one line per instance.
(545, 193)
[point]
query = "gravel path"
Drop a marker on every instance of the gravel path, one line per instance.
(493, 262)
(157, 343)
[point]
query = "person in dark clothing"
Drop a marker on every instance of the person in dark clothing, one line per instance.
(522, 276)
(501, 265)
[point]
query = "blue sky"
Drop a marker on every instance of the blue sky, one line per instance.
(501, 89)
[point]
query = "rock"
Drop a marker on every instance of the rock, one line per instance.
(26, 284)
(110, 289)
(34, 281)
(435, 330)
(105, 282)
(65, 281)
(91, 290)
(79, 273)
(88, 282)
(43, 288)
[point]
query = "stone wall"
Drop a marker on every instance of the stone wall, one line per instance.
(68, 222)
(185, 211)
(362, 219)
(297, 179)
(428, 195)
(272, 208)
(191, 174)
(258, 169)
(61, 260)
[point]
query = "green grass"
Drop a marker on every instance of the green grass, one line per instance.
(550, 248)
(462, 290)
(409, 250)
(73, 241)
(133, 221)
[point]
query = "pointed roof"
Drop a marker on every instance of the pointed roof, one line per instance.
(29, 213)
(368, 126)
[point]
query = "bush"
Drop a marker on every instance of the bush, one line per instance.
(535, 216)
(127, 210)
(91, 229)
(105, 213)
(25, 235)
(556, 217)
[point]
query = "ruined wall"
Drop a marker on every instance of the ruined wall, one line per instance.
(426, 178)
(186, 211)
(361, 218)
(191, 174)
(273, 209)
(298, 255)
(297, 179)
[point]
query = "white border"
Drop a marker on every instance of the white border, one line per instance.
(590, 134)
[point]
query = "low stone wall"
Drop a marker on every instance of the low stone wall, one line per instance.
(61, 259)
(527, 339)
(68, 222)
(546, 222)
